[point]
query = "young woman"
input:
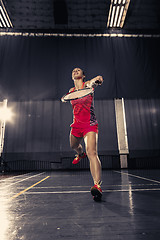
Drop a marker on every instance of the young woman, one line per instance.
(85, 126)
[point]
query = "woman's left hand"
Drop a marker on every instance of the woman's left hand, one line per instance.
(94, 82)
(99, 80)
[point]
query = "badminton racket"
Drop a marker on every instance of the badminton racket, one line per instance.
(79, 93)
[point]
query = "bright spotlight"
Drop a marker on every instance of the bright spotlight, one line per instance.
(6, 113)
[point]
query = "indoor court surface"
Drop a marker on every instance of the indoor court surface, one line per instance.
(58, 205)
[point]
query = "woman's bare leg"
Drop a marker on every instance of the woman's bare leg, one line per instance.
(91, 139)
(75, 144)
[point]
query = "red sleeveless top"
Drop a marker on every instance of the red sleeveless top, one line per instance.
(83, 111)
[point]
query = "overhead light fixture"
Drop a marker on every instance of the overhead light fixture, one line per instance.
(5, 21)
(117, 13)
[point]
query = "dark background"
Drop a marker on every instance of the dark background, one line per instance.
(36, 71)
(39, 68)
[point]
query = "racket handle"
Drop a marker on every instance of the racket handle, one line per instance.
(93, 84)
(97, 81)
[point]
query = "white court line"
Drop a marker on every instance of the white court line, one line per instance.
(110, 185)
(22, 180)
(74, 192)
(148, 179)
(59, 192)
(133, 190)
(104, 191)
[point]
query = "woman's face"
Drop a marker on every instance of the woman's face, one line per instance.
(77, 73)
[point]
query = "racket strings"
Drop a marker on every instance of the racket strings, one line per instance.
(78, 94)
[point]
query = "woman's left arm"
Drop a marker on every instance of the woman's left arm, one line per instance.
(94, 82)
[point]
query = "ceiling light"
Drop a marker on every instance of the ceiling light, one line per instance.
(5, 21)
(117, 13)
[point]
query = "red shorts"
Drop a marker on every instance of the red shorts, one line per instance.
(81, 132)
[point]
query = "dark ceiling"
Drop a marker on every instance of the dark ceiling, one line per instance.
(142, 15)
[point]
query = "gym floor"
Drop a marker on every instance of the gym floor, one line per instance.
(58, 205)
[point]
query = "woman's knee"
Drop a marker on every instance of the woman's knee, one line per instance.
(91, 153)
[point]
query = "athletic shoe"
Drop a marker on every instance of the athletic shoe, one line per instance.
(96, 192)
(79, 157)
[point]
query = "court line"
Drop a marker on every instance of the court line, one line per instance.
(133, 190)
(114, 190)
(16, 195)
(132, 175)
(22, 180)
(76, 192)
(110, 185)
